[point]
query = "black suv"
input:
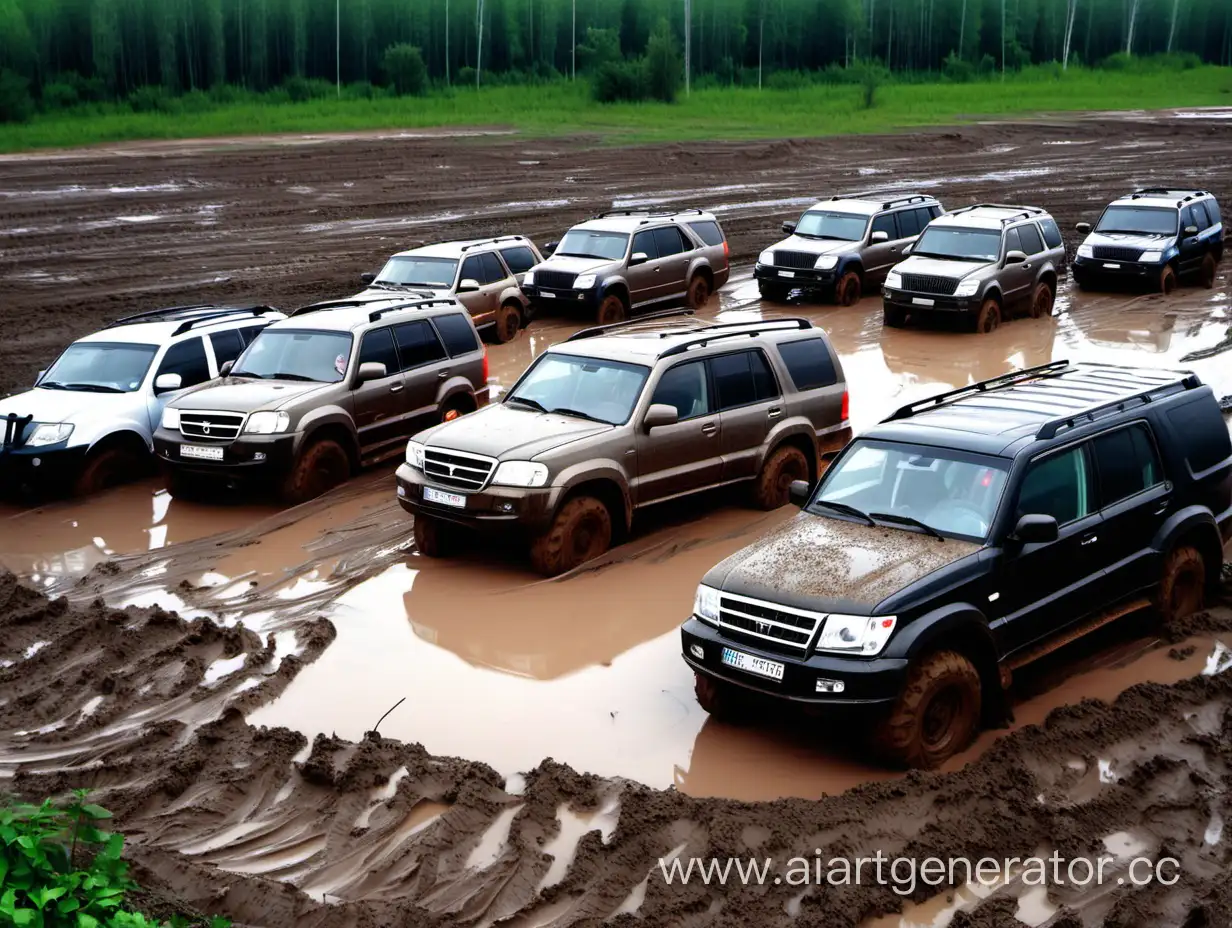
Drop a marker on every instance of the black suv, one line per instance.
(965, 536)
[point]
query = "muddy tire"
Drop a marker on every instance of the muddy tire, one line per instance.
(785, 464)
(776, 293)
(611, 310)
(320, 467)
(508, 323)
(106, 468)
(1042, 301)
(893, 316)
(1206, 274)
(935, 716)
(434, 537)
(721, 700)
(849, 289)
(582, 530)
(1182, 585)
(1167, 280)
(699, 292)
(988, 318)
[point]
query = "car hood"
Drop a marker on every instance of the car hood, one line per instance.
(510, 433)
(1130, 240)
(239, 394)
(569, 265)
(938, 267)
(70, 405)
(815, 246)
(832, 565)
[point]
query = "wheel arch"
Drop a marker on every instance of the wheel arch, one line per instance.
(961, 628)
(335, 430)
(608, 490)
(126, 438)
(1199, 531)
(797, 438)
(615, 286)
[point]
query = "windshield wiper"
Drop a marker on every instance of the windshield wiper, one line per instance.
(845, 509)
(907, 520)
(284, 375)
(527, 401)
(565, 411)
(81, 387)
(574, 254)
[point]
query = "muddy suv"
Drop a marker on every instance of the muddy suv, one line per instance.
(629, 259)
(335, 387)
(484, 275)
(965, 536)
(986, 263)
(844, 246)
(1153, 237)
(620, 418)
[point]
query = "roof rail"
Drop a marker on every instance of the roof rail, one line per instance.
(758, 329)
(154, 315)
(414, 304)
(1020, 212)
(219, 316)
(595, 330)
(647, 211)
(887, 198)
(491, 241)
(352, 302)
(1180, 188)
(1186, 380)
(1052, 369)
(904, 200)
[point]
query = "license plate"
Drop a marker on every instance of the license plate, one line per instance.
(201, 452)
(757, 665)
(445, 499)
(921, 301)
(787, 273)
(550, 296)
(1113, 267)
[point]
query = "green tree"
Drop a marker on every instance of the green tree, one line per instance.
(663, 66)
(405, 70)
(16, 104)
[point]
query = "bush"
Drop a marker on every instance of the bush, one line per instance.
(1119, 61)
(152, 99)
(957, 69)
(601, 47)
(59, 96)
(16, 104)
(405, 70)
(872, 75)
(302, 89)
(465, 76)
(620, 81)
(663, 66)
(362, 90)
(88, 89)
(228, 93)
(785, 80)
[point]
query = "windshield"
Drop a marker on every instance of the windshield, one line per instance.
(584, 387)
(419, 272)
(290, 354)
(951, 492)
(100, 367)
(963, 244)
(587, 243)
(845, 227)
(1143, 220)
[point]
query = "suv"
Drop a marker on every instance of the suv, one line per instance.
(987, 262)
(89, 421)
(485, 275)
(619, 418)
(844, 245)
(627, 259)
(337, 386)
(1153, 237)
(965, 536)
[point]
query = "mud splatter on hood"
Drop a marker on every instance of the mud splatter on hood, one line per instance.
(816, 562)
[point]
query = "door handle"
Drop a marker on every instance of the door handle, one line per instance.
(1026, 267)
(395, 388)
(1089, 540)
(441, 375)
(775, 412)
(895, 248)
(1163, 507)
(709, 429)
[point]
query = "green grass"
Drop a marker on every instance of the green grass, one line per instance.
(564, 109)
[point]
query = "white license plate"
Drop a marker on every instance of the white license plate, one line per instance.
(1113, 267)
(201, 452)
(787, 273)
(550, 296)
(921, 301)
(757, 665)
(445, 499)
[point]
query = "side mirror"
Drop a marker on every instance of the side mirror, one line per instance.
(799, 493)
(638, 257)
(1034, 528)
(880, 236)
(367, 277)
(1191, 230)
(789, 228)
(550, 247)
(1016, 257)
(470, 285)
(226, 368)
(907, 249)
(370, 370)
(1083, 227)
(165, 382)
(660, 414)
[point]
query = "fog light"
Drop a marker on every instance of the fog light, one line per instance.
(35, 462)
(506, 506)
(401, 490)
(696, 651)
(259, 456)
(830, 686)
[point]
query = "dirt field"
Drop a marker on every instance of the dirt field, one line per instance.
(234, 739)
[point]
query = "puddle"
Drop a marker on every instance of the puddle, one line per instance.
(573, 827)
(494, 840)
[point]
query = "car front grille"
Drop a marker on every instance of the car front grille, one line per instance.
(799, 260)
(927, 283)
(555, 280)
(768, 624)
(215, 426)
(457, 468)
(1117, 253)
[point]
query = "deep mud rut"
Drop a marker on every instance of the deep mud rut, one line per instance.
(233, 738)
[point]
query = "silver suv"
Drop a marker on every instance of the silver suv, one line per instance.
(627, 259)
(484, 275)
(844, 246)
(986, 262)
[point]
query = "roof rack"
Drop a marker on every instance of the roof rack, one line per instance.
(1020, 212)
(490, 241)
(887, 198)
(352, 302)
(653, 214)
(156, 315)
(219, 316)
(1187, 380)
(758, 328)
(595, 330)
(413, 304)
(1052, 369)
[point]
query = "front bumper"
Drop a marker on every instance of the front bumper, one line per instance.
(546, 297)
(492, 507)
(1091, 270)
(866, 682)
(249, 457)
(47, 467)
(802, 279)
(910, 302)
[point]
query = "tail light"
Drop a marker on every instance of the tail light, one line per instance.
(846, 405)
(485, 372)
(726, 249)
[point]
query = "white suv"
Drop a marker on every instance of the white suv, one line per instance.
(89, 421)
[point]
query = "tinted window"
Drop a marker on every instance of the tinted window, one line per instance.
(604, 390)
(188, 360)
(118, 365)
(685, 387)
(1212, 210)
(492, 269)
(457, 333)
(809, 363)
(934, 211)
(250, 332)
(227, 346)
(645, 243)
(885, 223)
(1058, 486)
(1126, 462)
(669, 241)
(1200, 428)
(908, 223)
(708, 232)
(1149, 220)
(924, 215)
(764, 384)
(472, 269)
(1188, 218)
(417, 344)
(733, 380)
(1052, 235)
(1013, 241)
(520, 259)
(378, 347)
(1032, 244)
(1204, 221)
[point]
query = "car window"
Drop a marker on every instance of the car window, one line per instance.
(378, 347)
(1203, 221)
(493, 270)
(578, 386)
(1013, 241)
(924, 215)
(1032, 243)
(644, 242)
(1212, 210)
(934, 211)
(709, 232)
(109, 365)
(670, 242)
(686, 388)
(296, 354)
(418, 344)
(419, 271)
(1199, 427)
(188, 360)
(472, 269)
(457, 332)
(733, 380)
(1058, 485)
(764, 383)
(809, 363)
(1187, 218)
(520, 259)
(249, 332)
(1126, 462)
(1052, 235)
(227, 346)
(885, 223)
(908, 223)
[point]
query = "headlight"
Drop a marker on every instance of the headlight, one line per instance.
(766, 258)
(856, 634)
(967, 288)
(267, 423)
(706, 604)
(826, 263)
(1151, 257)
(520, 474)
(1086, 251)
(894, 281)
(414, 454)
(48, 433)
(584, 282)
(171, 419)
(529, 278)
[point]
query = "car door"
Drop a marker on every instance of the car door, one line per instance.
(186, 358)
(1016, 279)
(644, 278)
(908, 223)
(497, 278)
(228, 345)
(749, 405)
(519, 259)
(380, 406)
(479, 301)
(1192, 249)
(880, 256)
(424, 366)
(1033, 247)
(685, 456)
(675, 253)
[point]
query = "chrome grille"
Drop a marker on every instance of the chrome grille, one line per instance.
(216, 426)
(768, 623)
(800, 260)
(1117, 253)
(457, 468)
(555, 280)
(927, 283)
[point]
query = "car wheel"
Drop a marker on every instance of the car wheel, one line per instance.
(1167, 280)
(893, 316)
(321, 467)
(508, 323)
(849, 289)
(989, 317)
(434, 537)
(1041, 302)
(611, 310)
(1207, 274)
(773, 485)
(106, 468)
(582, 530)
(1182, 585)
(936, 714)
(699, 292)
(720, 699)
(773, 292)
